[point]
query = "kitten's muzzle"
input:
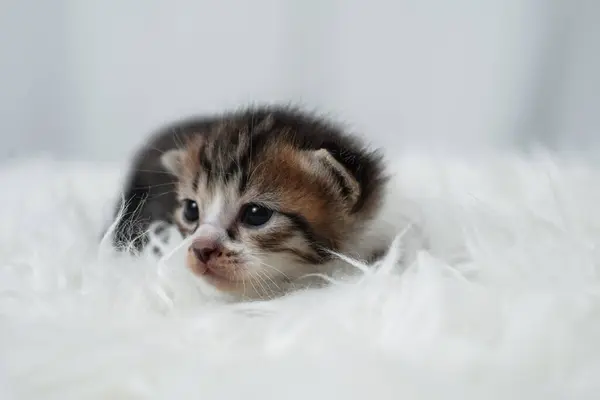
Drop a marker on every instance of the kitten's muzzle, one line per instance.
(209, 258)
(206, 247)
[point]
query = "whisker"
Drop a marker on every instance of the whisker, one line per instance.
(177, 139)
(265, 275)
(155, 171)
(160, 151)
(156, 185)
(266, 264)
(157, 195)
(272, 290)
(275, 269)
(260, 282)
(250, 282)
(235, 276)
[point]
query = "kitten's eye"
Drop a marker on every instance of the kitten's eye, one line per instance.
(254, 215)
(190, 210)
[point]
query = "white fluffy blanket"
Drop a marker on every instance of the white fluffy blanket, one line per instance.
(506, 305)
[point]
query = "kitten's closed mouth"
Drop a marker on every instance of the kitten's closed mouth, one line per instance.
(216, 276)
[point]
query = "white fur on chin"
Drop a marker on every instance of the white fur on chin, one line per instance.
(504, 304)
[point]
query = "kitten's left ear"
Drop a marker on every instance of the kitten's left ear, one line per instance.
(324, 164)
(171, 160)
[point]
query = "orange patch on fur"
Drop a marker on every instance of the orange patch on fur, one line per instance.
(300, 191)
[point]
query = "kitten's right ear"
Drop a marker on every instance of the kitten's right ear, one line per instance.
(323, 163)
(171, 160)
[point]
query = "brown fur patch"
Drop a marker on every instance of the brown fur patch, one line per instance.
(300, 192)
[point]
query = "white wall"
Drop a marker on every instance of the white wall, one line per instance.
(577, 105)
(443, 73)
(33, 62)
(138, 63)
(92, 78)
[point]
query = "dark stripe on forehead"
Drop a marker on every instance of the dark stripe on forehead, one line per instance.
(248, 154)
(224, 157)
(204, 160)
(243, 182)
(210, 165)
(230, 171)
(196, 181)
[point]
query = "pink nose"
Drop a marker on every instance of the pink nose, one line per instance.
(205, 248)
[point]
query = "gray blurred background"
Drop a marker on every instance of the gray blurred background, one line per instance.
(91, 79)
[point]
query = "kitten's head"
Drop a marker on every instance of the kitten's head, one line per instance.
(267, 194)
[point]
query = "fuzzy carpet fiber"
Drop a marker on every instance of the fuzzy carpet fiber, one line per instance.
(505, 303)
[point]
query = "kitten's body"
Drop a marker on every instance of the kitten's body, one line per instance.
(319, 189)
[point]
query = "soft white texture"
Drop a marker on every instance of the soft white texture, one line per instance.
(504, 305)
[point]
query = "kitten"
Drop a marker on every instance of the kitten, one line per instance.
(267, 194)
